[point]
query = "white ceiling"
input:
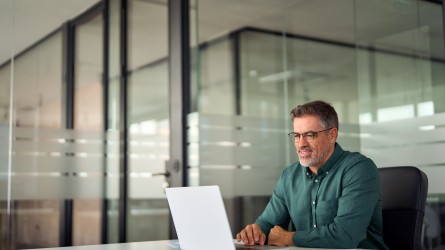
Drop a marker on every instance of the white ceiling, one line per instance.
(23, 22)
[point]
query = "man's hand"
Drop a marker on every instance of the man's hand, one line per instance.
(280, 237)
(251, 235)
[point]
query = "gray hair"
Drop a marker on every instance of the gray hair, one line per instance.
(326, 113)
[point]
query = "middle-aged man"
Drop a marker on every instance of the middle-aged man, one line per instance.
(331, 196)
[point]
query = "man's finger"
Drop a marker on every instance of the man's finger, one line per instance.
(256, 232)
(262, 239)
(250, 235)
(245, 237)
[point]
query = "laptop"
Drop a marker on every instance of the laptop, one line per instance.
(201, 221)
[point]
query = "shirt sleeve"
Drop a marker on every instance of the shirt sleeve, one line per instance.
(276, 212)
(360, 194)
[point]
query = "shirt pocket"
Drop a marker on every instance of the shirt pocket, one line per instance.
(326, 211)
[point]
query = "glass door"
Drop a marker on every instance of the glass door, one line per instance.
(148, 120)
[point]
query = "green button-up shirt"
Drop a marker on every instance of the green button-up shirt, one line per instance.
(339, 207)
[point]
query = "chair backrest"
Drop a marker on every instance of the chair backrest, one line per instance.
(404, 192)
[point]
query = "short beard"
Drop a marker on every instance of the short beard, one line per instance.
(317, 160)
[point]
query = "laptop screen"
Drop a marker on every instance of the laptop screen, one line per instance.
(200, 218)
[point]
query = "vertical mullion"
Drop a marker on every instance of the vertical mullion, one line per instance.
(66, 207)
(236, 43)
(105, 82)
(179, 92)
(123, 164)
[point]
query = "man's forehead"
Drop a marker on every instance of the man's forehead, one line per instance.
(307, 119)
(307, 122)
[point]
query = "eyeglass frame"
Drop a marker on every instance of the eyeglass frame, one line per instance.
(292, 135)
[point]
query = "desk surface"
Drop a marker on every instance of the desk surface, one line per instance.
(151, 245)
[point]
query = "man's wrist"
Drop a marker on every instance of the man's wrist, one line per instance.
(290, 235)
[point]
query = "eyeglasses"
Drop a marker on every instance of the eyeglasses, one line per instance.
(308, 136)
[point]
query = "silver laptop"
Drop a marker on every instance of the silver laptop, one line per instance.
(201, 221)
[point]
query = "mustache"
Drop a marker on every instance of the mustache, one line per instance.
(305, 148)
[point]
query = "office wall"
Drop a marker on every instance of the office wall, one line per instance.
(379, 63)
(45, 163)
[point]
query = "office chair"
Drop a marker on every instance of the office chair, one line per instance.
(404, 192)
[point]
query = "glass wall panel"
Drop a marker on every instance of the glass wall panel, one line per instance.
(112, 133)
(148, 120)
(36, 101)
(88, 119)
(278, 56)
(216, 78)
(379, 63)
(40, 170)
(401, 94)
(6, 50)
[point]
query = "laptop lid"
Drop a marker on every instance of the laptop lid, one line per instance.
(200, 218)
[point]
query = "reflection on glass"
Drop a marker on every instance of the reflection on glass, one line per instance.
(35, 108)
(112, 124)
(148, 123)
(216, 79)
(88, 117)
(401, 88)
(382, 72)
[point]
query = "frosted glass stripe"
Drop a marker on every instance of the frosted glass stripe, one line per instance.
(417, 155)
(25, 163)
(147, 165)
(148, 150)
(418, 141)
(55, 146)
(202, 120)
(238, 182)
(390, 138)
(147, 187)
(61, 164)
(413, 124)
(215, 134)
(45, 133)
(254, 156)
(30, 187)
(243, 155)
(148, 154)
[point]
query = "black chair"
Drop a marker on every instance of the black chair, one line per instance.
(404, 191)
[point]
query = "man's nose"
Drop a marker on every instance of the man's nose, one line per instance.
(302, 141)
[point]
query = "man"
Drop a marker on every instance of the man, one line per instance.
(331, 196)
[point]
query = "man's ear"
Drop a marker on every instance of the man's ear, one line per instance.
(333, 134)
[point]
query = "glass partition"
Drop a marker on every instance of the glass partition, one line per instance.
(401, 88)
(34, 179)
(6, 51)
(379, 63)
(42, 164)
(89, 120)
(148, 120)
(112, 133)
(267, 62)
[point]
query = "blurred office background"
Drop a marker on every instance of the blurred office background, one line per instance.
(91, 96)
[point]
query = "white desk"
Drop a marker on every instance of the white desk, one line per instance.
(148, 245)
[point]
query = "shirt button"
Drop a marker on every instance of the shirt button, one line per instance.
(316, 180)
(313, 202)
(315, 226)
